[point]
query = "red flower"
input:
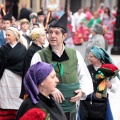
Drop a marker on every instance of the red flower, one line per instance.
(34, 114)
(111, 67)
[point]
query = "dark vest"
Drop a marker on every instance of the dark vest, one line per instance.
(70, 65)
(68, 82)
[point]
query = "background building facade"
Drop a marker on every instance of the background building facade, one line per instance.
(36, 5)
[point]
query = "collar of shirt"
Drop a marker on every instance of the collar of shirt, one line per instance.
(40, 46)
(55, 51)
(13, 45)
(96, 68)
(25, 33)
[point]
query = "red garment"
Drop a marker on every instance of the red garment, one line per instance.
(81, 35)
(109, 36)
(69, 27)
(8, 114)
(86, 34)
(88, 15)
(78, 36)
(100, 11)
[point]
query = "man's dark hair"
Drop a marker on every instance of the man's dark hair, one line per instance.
(36, 24)
(61, 29)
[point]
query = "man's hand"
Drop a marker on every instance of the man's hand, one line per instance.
(58, 95)
(79, 94)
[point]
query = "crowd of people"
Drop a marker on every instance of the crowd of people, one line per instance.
(43, 77)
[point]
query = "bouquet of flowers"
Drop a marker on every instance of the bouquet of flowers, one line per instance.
(104, 73)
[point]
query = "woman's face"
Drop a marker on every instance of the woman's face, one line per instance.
(41, 39)
(93, 33)
(106, 10)
(50, 83)
(10, 37)
(34, 20)
(93, 60)
(24, 26)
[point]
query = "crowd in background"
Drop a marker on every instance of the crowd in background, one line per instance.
(79, 24)
(20, 39)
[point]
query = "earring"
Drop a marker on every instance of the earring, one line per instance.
(42, 89)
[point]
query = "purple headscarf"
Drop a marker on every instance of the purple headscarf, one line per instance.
(35, 76)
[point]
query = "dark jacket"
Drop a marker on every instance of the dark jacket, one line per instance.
(93, 108)
(51, 106)
(27, 60)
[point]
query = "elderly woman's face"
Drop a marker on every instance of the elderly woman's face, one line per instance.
(41, 39)
(93, 60)
(10, 37)
(49, 84)
(93, 33)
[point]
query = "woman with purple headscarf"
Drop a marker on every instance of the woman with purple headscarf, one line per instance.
(40, 81)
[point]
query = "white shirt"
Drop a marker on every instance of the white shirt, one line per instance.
(78, 18)
(4, 33)
(25, 33)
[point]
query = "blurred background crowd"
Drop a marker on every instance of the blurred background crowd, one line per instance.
(82, 15)
(92, 21)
